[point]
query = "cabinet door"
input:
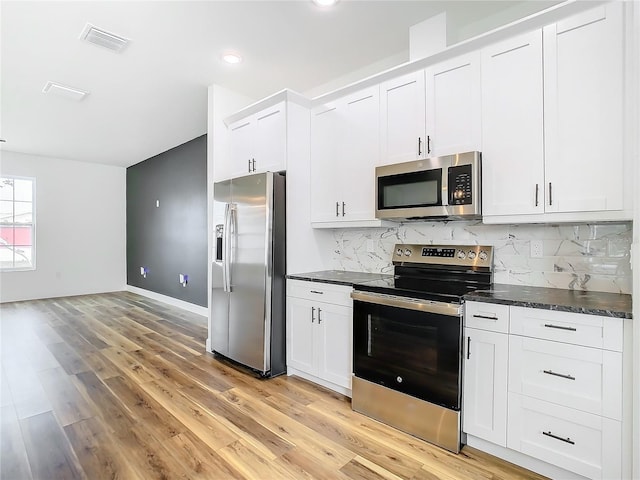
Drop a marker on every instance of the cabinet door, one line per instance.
(453, 99)
(326, 194)
(270, 150)
(583, 75)
(301, 330)
(361, 151)
(402, 119)
(512, 128)
(335, 344)
(241, 134)
(484, 393)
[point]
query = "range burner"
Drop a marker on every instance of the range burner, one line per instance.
(436, 272)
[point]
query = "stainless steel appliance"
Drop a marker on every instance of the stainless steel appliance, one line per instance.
(407, 339)
(248, 274)
(438, 187)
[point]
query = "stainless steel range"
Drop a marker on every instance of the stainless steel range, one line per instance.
(407, 339)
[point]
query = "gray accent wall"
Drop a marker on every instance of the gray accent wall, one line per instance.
(167, 222)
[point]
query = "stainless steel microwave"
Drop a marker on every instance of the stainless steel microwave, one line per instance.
(438, 187)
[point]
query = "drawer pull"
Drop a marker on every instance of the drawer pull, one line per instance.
(316, 291)
(560, 327)
(566, 440)
(568, 377)
(486, 317)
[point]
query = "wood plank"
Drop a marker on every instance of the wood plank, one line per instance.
(50, 455)
(193, 416)
(207, 378)
(199, 459)
(144, 408)
(373, 450)
(268, 443)
(68, 358)
(94, 447)
(361, 469)
(13, 455)
(128, 365)
(252, 465)
(323, 449)
(68, 403)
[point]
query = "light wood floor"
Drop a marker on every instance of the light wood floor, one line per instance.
(119, 386)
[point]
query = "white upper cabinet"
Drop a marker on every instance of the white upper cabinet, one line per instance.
(512, 126)
(402, 119)
(453, 106)
(325, 151)
(584, 88)
(259, 142)
(553, 122)
(345, 150)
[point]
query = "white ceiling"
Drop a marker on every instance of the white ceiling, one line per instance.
(153, 96)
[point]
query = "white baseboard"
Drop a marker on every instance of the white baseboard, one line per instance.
(190, 307)
(522, 460)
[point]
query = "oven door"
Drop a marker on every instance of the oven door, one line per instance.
(411, 346)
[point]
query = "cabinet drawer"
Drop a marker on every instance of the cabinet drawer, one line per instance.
(583, 378)
(487, 316)
(583, 443)
(320, 292)
(576, 328)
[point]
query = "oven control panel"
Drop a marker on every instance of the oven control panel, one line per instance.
(462, 255)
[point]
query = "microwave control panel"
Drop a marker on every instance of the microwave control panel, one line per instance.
(460, 185)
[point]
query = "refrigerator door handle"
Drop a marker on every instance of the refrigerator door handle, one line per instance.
(226, 249)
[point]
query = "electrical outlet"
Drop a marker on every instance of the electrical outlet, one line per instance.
(536, 249)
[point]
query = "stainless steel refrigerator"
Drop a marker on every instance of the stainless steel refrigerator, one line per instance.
(248, 277)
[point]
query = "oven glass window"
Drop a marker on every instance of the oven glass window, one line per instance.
(406, 190)
(414, 352)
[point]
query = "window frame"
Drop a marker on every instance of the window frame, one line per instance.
(32, 224)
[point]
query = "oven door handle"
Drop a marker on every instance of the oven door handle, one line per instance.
(426, 306)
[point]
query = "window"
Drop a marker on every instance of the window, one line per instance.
(17, 228)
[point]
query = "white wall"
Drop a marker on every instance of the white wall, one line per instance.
(80, 228)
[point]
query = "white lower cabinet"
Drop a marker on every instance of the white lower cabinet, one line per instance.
(583, 443)
(485, 385)
(548, 385)
(319, 333)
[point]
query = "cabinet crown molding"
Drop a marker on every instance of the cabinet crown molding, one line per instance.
(283, 95)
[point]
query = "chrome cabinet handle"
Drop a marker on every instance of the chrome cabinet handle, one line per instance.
(550, 196)
(561, 375)
(343, 209)
(319, 319)
(485, 317)
(313, 311)
(468, 347)
(560, 327)
(249, 165)
(428, 143)
(253, 162)
(566, 440)
(419, 146)
(537, 188)
(337, 209)
(316, 291)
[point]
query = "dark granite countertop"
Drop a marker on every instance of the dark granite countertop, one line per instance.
(338, 277)
(593, 303)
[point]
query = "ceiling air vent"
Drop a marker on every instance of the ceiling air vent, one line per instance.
(64, 91)
(103, 38)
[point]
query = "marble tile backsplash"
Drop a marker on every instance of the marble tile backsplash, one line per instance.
(594, 257)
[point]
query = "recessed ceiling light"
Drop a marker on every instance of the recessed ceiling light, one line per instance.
(64, 91)
(232, 57)
(325, 3)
